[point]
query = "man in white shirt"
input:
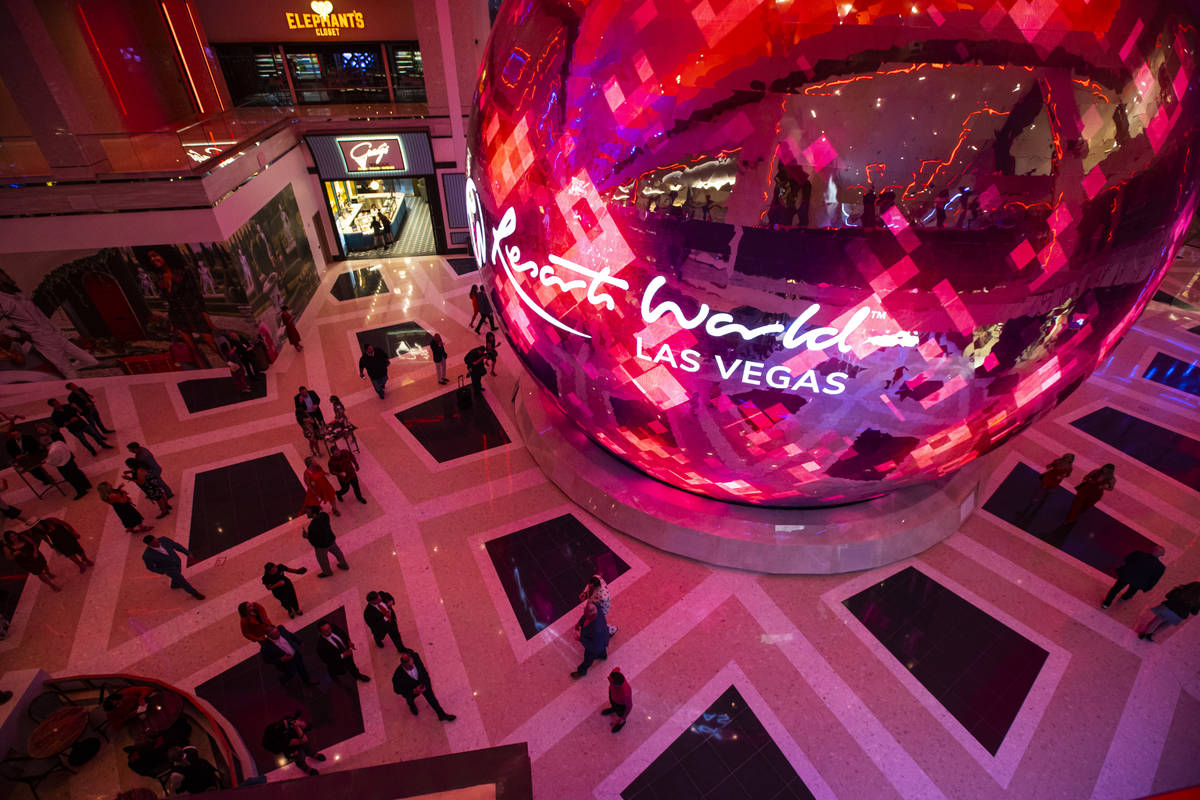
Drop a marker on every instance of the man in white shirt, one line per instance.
(282, 649)
(337, 651)
(59, 456)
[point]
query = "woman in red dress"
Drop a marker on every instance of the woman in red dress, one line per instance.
(289, 325)
(320, 490)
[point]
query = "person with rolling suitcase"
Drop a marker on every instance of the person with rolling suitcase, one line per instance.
(476, 360)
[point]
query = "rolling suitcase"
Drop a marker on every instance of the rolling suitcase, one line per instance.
(463, 393)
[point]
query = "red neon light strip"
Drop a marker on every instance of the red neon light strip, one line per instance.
(207, 63)
(103, 63)
(182, 58)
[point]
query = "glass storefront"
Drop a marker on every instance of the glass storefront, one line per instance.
(381, 216)
(323, 73)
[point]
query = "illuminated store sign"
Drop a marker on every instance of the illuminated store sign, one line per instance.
(323, 21)
(203, 151)
(372, 153)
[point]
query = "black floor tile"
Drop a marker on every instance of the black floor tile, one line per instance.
(1163, 297)
(1171, 453)
(543, 568)
(12, 583)
(1194, 329)
(358, 283)
(1095, 539)
(403, 340)
(463, 266)
(711, 761)
(449, 432)
(936, 618)
(1181, 375)
(251, 696)
(233, 504)
(202, 394)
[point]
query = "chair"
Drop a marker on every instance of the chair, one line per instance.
(47, 703)
(30, 771)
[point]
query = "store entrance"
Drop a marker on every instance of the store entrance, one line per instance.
(382, 217)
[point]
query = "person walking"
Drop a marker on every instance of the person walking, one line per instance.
(130, 517)
(63, 539)
(380, 616)
(22, 550)
(411, 680)
(59, 456)
(1140, 572)
(289, 326)
(281, 649)
(1180, 603)
(620, 699)
(1056, 472)
(161, 557)
(254, 621)
(344, 466)
(485, 310)
(474, 305)
(155, 489)
(143, 454)
(1089, 492)
(337, 651)
(308, 403)
(275, 578)
(373, 364)
(596, 590)
(319, 489)
(437, 349)
(83, 400)
(68, 416)
(490, 348)
(592, 632)
(320, 535)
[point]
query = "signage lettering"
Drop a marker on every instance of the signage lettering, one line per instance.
(372, 154)
(564, 276)
(323, 22)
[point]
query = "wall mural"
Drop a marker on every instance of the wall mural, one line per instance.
(808, 253)
(157, 307)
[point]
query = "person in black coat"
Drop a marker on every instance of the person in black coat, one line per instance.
(337, 651)
(1140, 571)
(275, 578)
(380, 616)
(308, 404)
(281, 649)
(411, 680)
(25, 452)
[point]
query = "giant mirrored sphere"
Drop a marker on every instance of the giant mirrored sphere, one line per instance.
(807, 253)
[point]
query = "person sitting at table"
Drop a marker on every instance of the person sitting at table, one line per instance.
(190, 773)
(124, 705)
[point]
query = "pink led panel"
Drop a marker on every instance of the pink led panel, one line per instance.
(804, 254)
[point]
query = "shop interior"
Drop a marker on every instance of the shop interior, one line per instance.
(381, 216)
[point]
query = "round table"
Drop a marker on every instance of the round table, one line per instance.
(57, 732)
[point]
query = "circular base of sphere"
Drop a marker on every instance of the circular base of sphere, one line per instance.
(818, 541)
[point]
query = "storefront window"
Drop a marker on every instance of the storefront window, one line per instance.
(254, 74)
(408, 73)
(381, 216)
(338, 73)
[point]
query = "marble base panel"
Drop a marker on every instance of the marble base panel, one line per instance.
(772, 540)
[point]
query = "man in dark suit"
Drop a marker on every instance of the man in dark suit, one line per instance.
(161, 557)
(336, 650)
(82, 399)
(1140, 572)
(281, 648)
(380, 616)
(67, 416)
(411, 680)
(26, 453)
(308, 404)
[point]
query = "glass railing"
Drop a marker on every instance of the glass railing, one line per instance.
(196, 148)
